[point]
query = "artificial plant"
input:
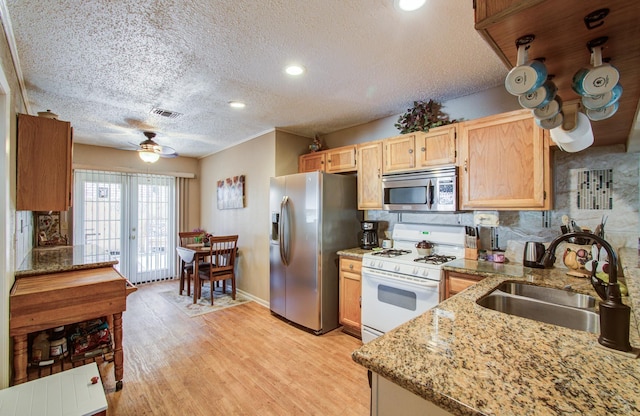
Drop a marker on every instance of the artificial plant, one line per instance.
(423, 116)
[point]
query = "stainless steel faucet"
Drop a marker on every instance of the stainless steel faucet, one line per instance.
(614, 315)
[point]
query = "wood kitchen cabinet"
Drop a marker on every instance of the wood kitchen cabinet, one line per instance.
(370, 175)
(400, 153)
(44, 164)
(419, 150)
(437, 147)
(505, 163)
(312, 162)
(341, 159)
(455, 282)
(350, 295)
(338, 160)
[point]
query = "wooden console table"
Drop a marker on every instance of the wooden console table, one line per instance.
(55, 299)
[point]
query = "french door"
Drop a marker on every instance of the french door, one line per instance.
(129, 216)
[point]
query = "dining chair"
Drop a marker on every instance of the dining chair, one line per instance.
(223, 251)
(186, 267)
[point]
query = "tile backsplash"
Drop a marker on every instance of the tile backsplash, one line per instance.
(23, 236)
(612, 193)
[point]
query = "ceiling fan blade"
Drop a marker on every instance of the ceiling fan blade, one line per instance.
(165, 151)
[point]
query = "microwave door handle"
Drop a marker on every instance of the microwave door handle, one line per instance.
(430, 189)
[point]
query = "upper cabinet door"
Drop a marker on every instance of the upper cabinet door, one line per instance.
(341, 159)
(505, 163)
(311, 162)
(44, 164)
(437, 147)
(400, 153)
(370, 175)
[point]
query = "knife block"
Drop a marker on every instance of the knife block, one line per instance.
(471, 253)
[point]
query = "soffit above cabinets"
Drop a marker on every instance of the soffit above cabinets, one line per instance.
(561, 37)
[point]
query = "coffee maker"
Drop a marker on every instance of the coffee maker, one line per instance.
(369, 237)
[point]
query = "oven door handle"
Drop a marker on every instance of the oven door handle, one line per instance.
(382, 277)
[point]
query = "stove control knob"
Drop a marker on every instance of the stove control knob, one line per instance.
(425, 272)
(380, 265)
(415, 270)
(397, 268)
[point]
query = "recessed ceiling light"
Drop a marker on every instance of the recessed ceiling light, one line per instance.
(294, 70)
(409, 5)
(237, 104)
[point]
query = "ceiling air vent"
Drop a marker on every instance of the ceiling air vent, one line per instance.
(165, 113)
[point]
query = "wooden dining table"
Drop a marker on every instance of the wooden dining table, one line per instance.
(194, 253)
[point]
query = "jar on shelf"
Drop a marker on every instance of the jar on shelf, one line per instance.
(58, 343)
(40, 347)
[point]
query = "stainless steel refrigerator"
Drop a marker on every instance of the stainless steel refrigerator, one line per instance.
(313, 215)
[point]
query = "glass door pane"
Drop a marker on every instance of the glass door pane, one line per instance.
(132, 217)
(152, 236)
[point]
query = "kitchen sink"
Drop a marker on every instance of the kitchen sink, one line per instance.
(553, 306)
(549, 294)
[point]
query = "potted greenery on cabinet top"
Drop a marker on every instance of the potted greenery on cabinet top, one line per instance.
(422, 117)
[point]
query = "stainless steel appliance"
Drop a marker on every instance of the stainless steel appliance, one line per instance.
(313, 215)
(533, 253)
(432, 190)
(399, 284)
(369, 237)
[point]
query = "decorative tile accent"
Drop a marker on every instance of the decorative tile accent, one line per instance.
(595, 189)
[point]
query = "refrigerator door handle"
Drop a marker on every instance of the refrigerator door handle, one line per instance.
(284, 231)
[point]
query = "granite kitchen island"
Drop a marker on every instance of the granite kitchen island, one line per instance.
(470, 360)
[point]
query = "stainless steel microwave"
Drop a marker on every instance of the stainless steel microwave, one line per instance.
(430, 190)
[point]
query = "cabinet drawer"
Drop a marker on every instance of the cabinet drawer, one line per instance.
(350, 265)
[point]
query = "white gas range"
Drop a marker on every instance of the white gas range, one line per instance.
(399, 284)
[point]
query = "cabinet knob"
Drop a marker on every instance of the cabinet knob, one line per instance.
(351, 266)
(410, 151)
(424, 149)
(465, 165)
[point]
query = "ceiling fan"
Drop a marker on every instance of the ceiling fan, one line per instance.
(150, 151)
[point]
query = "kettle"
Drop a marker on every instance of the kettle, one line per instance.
(533, 253)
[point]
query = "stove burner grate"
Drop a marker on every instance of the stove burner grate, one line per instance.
(390, 253)
(435, 259)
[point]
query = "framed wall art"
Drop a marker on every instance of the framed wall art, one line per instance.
(231, 193)
(48, 231)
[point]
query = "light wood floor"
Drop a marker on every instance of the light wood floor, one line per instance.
(237, 361)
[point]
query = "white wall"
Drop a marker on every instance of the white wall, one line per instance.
(492, 101)
(256, 160)
(272, 154)
(13, 104)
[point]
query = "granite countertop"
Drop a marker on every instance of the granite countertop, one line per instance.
(356, 252)
(63, 259)
(470, 360)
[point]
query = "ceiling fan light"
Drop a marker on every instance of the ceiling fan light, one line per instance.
(148, 156)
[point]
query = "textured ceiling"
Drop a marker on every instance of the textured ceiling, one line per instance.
(104, 65)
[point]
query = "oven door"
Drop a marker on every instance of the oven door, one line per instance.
(389, 300)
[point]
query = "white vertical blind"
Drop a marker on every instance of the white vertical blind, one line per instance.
(132, 217)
